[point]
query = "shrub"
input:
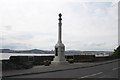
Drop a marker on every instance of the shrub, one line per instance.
(38, 63)
(71, 61)
(117, 52)
(26, 65)
(47, 62)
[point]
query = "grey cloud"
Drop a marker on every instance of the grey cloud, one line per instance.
(19, 36)
(97, 44)
(83, 25)
(15, 46)
(24, 36)
(8, 27)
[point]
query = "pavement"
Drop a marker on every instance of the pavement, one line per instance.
(53, 68)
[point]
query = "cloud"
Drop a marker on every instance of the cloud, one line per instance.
(29, 40)
(99, 12)
(7, 27)
(35, 23)
(15, 46)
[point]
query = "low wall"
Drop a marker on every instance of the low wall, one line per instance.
(22, 61)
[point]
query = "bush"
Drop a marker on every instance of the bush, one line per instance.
(116, 52)
(71, 61)
(38, 63)
(47, 62)
(26, 65)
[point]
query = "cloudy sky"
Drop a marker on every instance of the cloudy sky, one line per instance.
(30, 24)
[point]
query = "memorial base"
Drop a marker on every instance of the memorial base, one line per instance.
(59, 62)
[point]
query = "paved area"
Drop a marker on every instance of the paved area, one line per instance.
(52, 68)
(102, 71)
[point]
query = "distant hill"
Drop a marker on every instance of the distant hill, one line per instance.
(26, 51)
(6, 51)
(37, 51)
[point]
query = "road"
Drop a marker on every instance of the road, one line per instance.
(102, 71)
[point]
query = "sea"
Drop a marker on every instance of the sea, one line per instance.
(6, 56)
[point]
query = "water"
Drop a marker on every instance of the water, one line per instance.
(6, 56)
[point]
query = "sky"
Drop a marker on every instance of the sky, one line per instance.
(33, 24)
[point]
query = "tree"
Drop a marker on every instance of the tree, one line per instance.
(117, 52)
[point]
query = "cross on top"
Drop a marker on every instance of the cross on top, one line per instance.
(60, 16)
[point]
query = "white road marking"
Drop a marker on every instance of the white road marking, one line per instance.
(91, 75)
(115, 68)
(74, 79)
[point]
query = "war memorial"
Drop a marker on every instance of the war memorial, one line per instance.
(57, 63)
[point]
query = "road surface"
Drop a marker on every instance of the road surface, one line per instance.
(102, 71)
